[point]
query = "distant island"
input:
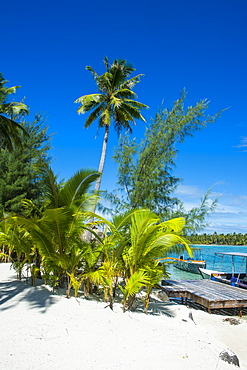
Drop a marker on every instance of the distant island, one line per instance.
(219, 239)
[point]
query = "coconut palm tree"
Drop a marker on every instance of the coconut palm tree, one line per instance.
(9, 128)
(115, 102)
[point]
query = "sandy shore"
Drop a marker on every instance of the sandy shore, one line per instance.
(44, 331)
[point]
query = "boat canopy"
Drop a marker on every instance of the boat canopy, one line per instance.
(237, 254)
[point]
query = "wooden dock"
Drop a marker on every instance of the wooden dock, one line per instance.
(208, 293)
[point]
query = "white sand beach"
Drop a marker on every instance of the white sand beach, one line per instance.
(44, 331)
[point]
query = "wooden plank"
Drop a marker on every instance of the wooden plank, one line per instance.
(216, 288)
(210, 294)
(213, 292)
(226, 291)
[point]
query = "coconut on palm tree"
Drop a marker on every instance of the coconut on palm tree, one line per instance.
(9, 128)
(115, 102)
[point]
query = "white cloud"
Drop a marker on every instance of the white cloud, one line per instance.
(188, 190)
(230, 215)
(243, 143)
(227, 222)
(232, 203)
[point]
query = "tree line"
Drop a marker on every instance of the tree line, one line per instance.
(220, 239)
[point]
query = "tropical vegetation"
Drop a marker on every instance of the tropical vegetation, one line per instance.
(44, 223)
(119, 261)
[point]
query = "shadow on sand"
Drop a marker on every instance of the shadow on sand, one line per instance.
(14, 292)
(157, 308)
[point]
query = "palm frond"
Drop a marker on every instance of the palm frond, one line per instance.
(96, 98)
(77, 186)
(136, 104)
(50, 185)
(129, 84)
(168, 241)
(105, 117)
(15, 109)
(95, 75)
(175, 224)
(122, 120)
(11, 90)
(134, 283)
(58, 221)
(153, 273)
(42, 238)
(94, 115)
(11, 132)
(106, 62)
(125, 93)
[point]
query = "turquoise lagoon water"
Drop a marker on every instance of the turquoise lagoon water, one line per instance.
(207, 253)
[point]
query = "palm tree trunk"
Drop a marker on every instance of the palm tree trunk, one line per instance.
(102, 159)
(3, 251)
(69, 287)
(87, 234)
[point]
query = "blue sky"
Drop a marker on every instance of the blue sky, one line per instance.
(201, 46)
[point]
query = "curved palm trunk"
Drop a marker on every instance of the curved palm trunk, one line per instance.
(102, 158)
(88, 235)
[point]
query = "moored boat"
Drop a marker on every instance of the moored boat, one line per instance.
(187, 264)
(207, 274)
(235, 278)
(190, 265)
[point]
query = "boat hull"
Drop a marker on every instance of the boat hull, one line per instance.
(190, 266)
(207, 274)
(237, 279)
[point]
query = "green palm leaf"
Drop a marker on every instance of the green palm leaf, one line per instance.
(76, 187)
(10, 131)
(41, 237)
(50, 185)
(176, 224)
(125, 93)
(134, 284)
(94, 115)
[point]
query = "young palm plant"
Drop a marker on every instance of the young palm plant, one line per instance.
(18, 244)
(111, 247)
(133, 243)
(58, 232)
(154, 275)
(91, 261)
(149, 240)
